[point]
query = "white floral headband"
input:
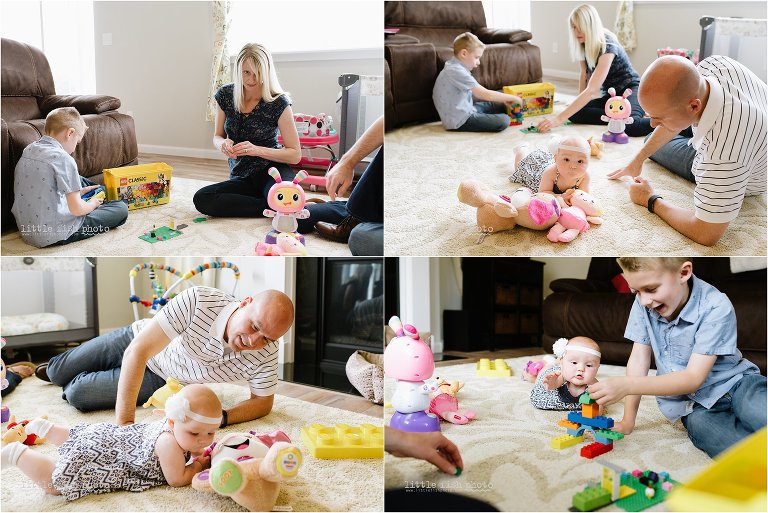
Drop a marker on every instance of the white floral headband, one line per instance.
(561, 346)
(177, 408)
(569, 147)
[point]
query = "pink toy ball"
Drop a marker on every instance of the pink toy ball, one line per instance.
(666, 486)
(637, 472)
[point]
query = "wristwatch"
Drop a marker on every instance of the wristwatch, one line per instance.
(223, 419)
(651, 201)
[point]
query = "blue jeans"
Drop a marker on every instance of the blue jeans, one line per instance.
(89, 372)
(108, 215)
(13, 381)
(677, 155)
(735, 416)
(490, 117)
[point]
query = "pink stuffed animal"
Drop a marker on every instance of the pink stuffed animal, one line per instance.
(618, 110)
(497, 212)
(576, 218)
(286, 245)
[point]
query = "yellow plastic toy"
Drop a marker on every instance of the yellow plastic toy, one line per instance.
(497, 368)
(344, 441)
(736, 481)
(162, 394)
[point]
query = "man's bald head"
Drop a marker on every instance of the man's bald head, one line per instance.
(259, 321)
(277, 306)
(672, 87)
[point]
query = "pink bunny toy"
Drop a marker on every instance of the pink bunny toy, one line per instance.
(287, 201)
(576, 218)
(617, 110)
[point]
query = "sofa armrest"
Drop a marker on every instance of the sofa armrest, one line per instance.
(85, 104)
(400, 39)
(491, 36)
(580, 286)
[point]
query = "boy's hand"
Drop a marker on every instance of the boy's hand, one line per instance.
(624, 426)
(550, 381)
(610, 390)
(96, 201)
(89, 188)
(514, 100)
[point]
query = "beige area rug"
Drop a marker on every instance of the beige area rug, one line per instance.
(507, 456)
(322, 485)
(425, 163)
(230, 236)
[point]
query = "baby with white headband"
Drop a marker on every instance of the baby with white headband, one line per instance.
(559, 387)
(105, 457)
(560, 170)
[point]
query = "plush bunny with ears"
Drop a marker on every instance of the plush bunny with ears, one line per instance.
(617, 110)
(286, 200)
(574, 220)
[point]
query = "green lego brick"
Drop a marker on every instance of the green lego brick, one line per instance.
(561, 442)
(585, 399)
(607, 433)
(591, 498)
(344, 441)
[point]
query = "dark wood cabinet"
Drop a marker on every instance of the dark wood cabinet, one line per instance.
(502, 300)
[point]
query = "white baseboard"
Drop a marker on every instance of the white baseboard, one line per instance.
(179, 151)
(558, 73)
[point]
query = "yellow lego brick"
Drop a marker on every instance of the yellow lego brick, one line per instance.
(497, 368)
(561, 442)
(568, 424)
(344, 441)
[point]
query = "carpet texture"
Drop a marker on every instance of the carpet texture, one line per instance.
(235, 236)
(322, 485)
(507, 457)
(425, 163)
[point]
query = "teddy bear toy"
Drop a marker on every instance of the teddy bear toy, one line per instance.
(249, 468)
(171, 387)
(17, 432)
(576, 218)
(498, 212)
(595, 147)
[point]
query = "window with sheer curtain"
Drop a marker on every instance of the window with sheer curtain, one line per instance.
(506, 14)
(63, 30)
(305, 26)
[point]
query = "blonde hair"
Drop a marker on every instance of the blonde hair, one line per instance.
(635, 264)
(261, 61)
(466, 41)
(62, 119)
(587, 20)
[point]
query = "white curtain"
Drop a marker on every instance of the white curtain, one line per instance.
(220, 70)
(625, 25)
(63, 30)
(506, 14)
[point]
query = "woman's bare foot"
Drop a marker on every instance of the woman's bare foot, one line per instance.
(24, 371)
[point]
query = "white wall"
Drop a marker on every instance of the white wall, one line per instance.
(563, 267)
(658, 25)
(159, 66)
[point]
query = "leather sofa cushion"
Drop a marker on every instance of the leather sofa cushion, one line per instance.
(85, 104)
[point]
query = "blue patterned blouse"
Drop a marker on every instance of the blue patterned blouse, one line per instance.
(259, 127)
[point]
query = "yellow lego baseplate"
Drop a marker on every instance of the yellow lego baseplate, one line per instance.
(561, 442)
(497, 368)
(344, 441)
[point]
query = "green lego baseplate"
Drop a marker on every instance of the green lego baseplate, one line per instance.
(638, 501)
(497, 368)
(164, 232)
(344, 441)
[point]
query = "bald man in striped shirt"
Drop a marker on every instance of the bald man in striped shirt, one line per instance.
(203, 335)
(710, 128)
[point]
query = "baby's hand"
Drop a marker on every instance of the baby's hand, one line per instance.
(550, 380)
(205, 461)
(567, 195)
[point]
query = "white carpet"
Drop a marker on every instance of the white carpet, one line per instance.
(321, 485)
(230, 236)
(425, 163)
(507, 457)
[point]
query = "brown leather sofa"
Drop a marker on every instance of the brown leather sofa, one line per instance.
(592, 307)
(416, 54)
(28, 95)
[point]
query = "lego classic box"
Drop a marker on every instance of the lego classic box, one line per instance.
(537, 99)
(145, 185)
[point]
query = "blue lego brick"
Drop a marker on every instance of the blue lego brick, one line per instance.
(597, 422)
(603, 440)
(575, 432)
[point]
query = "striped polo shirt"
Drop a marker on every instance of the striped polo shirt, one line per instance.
(730, 140)
(195, 321)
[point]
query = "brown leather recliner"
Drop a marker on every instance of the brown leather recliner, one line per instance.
(416, 54)
(592, 307)
(28, 95)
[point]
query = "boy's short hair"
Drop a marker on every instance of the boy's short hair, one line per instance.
(466, 41)
(635, 264)
(62, 119)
